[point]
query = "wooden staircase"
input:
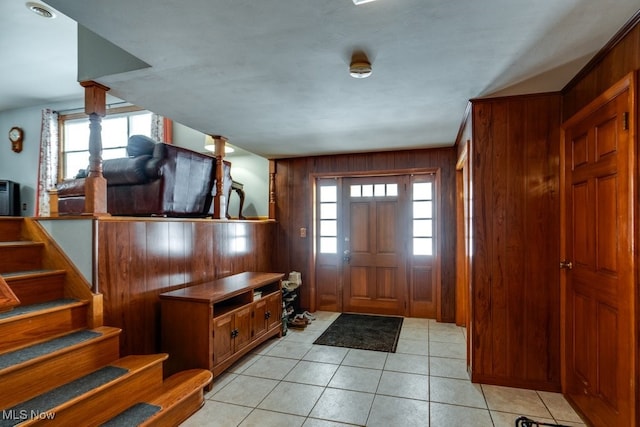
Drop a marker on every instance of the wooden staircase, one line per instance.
(58, 364)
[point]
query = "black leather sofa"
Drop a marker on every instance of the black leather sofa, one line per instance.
(156, 179)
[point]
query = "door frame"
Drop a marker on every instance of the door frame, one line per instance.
(627, 83)
(313, 196)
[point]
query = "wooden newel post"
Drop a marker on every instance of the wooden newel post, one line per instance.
(272, 189)
(219, 199)
(95, 187)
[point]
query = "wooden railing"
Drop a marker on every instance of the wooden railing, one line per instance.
(95, 190)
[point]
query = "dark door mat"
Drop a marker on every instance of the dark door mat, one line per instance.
(363, 331)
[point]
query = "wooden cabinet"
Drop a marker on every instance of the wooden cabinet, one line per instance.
(231, 333)
(212, 325)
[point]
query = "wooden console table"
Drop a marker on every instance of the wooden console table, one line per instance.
(212, 325)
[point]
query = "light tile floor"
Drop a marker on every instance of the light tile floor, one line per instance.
(289, 381)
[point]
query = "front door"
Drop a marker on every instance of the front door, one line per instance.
(374, 267)
(599, 290)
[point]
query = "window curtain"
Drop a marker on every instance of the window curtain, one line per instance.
(48, 166)
(157, 127)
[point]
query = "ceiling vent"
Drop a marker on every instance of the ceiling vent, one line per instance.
(41, 10)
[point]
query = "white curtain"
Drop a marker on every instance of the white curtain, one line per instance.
(48, 167)
(157, 127)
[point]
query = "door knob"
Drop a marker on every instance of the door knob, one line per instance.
(566, 264)
(346, 255)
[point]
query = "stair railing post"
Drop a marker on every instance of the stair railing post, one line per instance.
(95, 187)
(219, 198)
(272, 189)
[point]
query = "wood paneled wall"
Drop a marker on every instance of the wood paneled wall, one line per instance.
(616, 60)
(294, 183)
(515, 298)
(140, 259)
(514, 281)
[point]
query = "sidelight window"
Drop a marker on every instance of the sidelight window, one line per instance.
(423, 218)
(328, 219)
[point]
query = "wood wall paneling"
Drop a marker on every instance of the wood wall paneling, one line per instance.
(142, 258)
(514, 276)
(294, 183)
(615, 63)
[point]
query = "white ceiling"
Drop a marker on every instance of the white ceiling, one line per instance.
(271, 75)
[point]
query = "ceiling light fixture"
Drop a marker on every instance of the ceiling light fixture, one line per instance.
(359, 2)
(360, 69)
(41, 10)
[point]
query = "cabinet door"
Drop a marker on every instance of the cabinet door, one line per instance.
(223, 327)
(242, 319)
(259, 317)
(274, 310)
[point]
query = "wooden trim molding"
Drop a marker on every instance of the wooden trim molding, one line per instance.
(602, 53)
(8, 299)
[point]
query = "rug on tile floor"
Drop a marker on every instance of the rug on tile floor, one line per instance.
(363, 331)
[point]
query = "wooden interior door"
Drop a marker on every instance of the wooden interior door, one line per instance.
(599, 292)
(374, 259)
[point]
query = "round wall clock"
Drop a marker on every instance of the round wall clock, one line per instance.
(16, 135)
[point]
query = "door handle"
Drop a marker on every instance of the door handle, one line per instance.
(346, 255)
(566, 264)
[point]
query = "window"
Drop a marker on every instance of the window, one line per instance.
(422, 218)
(374, 190)
(328, 219)
(117, 126)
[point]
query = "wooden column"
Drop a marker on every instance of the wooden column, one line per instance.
(53, 202)
(272, 189)
(95, 187)
(219, 199)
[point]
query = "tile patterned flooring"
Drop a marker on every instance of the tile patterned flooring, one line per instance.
(289, 381)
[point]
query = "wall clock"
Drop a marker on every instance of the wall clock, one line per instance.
(16, 135)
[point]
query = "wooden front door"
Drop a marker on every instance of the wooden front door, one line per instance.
(374, 266)
(598, 269)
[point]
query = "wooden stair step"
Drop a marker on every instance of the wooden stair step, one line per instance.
(48, 364)
(144, 374)
(10, 228)
(17, 275)
(20, 256)
(35, 286)
(181, 395)
(46, 402)
(133, 415)
(26, 323)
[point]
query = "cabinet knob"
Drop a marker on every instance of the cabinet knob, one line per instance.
(267, 315)
(234, 333)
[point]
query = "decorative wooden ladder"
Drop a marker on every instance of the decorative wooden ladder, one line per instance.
(58, 364)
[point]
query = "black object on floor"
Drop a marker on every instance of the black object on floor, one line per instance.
(527, 422)
(363, 331)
